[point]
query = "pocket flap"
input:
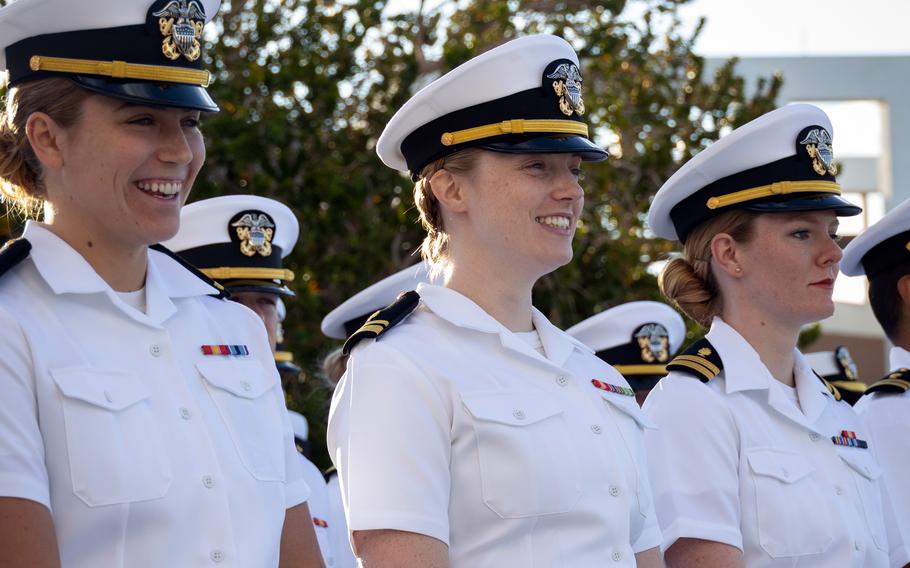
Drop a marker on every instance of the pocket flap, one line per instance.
(243, 378)
(629, 406)
(106, 388)
(862, 464)
(783, 466)
(514, 408)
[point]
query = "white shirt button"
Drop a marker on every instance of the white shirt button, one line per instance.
(838, 489)
(596, 428)
(108, 397)
(155, 350)
(786, 472)
(216, 556)
(857, 545)
(614, 491)
(616, 556)
(814, 436)
(185, 413)
(519, 414)
(562, 380)
(208, 481)
(246, 386)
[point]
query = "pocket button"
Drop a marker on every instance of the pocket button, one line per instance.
(596, 428)
(155, 350)
(617, 556)
(562, 380)
(208, 481)
(614, 491)
(518, 414)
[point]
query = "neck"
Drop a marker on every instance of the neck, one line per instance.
(122, 267)
(506, 299)
(773, 341)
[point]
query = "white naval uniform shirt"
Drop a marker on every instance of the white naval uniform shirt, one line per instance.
(338, 526)
(146, 452)
(450, 426)
(318, 503)
(888, 417)
(735, 461)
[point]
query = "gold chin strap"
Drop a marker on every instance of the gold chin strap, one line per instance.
(779, 188)
(517, 126)
(231, 273)
(641, 369)
(121, 70)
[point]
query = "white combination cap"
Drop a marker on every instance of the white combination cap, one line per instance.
(881, 246)
(782, 161)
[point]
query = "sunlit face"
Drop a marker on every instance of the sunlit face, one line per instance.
(523, 209)
(266, 307)
(127, 170)
(790, 265)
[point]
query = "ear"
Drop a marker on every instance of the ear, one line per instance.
(903, 289)
(448, 190)
(46, 137)
(725, 255)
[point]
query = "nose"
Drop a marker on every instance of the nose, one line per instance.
(832, 253)
(174, 147)
(567, 187)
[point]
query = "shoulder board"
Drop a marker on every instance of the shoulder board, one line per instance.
(383, 320)
(327, 474)
(699, 360)
(896, 382)
(12, 253)
(831, 388)
(222, 293)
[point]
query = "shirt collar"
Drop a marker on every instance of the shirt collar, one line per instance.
(461, 311)
(900, 358)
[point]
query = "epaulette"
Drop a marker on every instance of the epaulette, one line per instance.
(699, 360)
(12, 253)
(831, 388)
(327, 474)
(222, 293)
(383, 320)
(896, 382)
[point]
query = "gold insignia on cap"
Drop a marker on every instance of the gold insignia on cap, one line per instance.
(846, 363)
(819, 147)
(255, 234)
(181, 24)
(568, 88)
(654, 342)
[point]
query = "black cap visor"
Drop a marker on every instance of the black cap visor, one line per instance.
(589, 151)
(192, 97)
(840, 206)
(264, 288)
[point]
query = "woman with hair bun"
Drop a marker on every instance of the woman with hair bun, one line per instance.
(469, 431)
(756, 460)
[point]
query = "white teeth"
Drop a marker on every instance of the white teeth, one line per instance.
(558, 222)
(162, 188)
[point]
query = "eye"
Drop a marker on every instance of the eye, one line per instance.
(192, 122)
(578, 173)
(144, 120)
(536, 165)
(801, 235)
(838, 240)
(267, 301)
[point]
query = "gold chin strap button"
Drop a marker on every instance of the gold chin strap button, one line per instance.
(713, 203)
(447, 139)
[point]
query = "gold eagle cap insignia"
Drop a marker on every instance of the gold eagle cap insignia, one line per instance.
(821, 150)
(567, 86)
(181, 23)
(255, 233)
(654, 342)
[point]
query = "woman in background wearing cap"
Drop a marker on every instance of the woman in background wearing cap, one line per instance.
(141, 419)
(756, 461)
(473, 432)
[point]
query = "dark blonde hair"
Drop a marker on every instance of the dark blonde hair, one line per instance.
(689, 282)
(21, 177)
(435, 246)
(333, 367)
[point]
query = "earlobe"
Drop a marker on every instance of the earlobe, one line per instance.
(447, 189)
(45, 137)
(726, 255)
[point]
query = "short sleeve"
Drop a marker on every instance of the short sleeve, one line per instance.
(23, 473)
(649, 536)
(389, 437)
(694, 460)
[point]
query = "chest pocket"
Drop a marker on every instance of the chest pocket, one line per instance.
(527, 467)
(245, 397)
(866, 474)
(792, 512)
(115, 445)
(631, 422)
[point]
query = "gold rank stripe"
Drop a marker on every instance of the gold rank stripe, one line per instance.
(370, 328)
(235, 273)
(695, 367)
(711, 367)
(779, 188)
(899, 383)
(284, 356)
(121, 70)
(852, 386)
(516, 126)
(641, 369)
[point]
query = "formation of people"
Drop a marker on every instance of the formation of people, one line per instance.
(142, 416)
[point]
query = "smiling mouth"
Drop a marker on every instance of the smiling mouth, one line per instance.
(555, 221)
(160, 188)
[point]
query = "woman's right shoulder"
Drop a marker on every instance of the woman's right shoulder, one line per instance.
(681, 392)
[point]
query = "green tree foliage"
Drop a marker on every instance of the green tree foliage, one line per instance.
(306, 87)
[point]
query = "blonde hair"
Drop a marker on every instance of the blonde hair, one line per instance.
(689, 282)
(333, 367)
(435, 246)
(21, 177)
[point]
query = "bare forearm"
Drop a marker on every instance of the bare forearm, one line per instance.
(299, 547)
(27, 536)
(392, 549)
